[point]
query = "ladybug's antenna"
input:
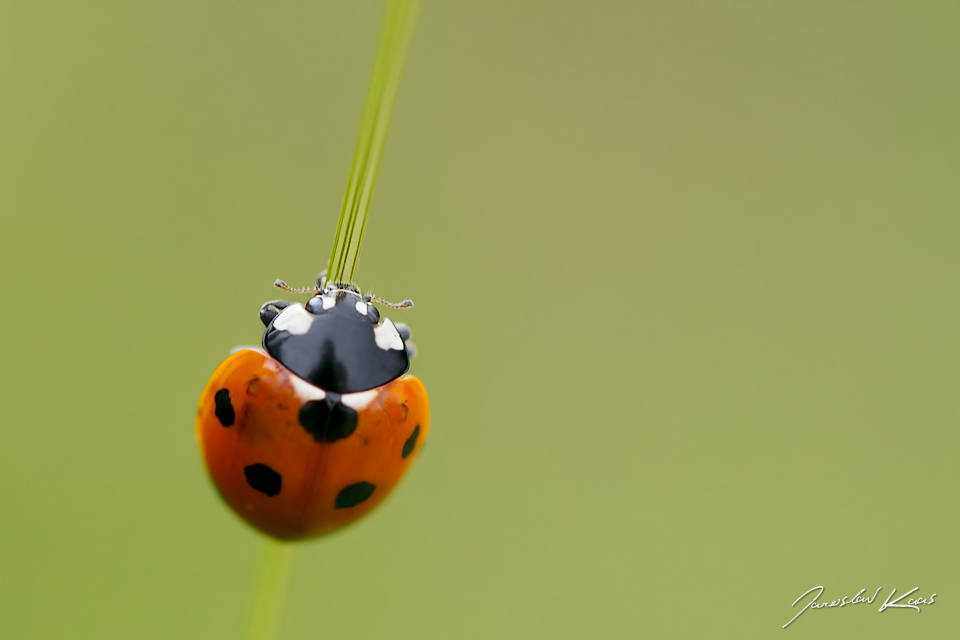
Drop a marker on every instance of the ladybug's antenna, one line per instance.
(403, 304)
(280, 284)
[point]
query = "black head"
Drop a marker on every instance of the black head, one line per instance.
(337, 341)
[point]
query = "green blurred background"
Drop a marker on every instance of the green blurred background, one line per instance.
(686, 283)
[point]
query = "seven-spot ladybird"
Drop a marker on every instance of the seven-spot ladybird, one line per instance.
(314, 430)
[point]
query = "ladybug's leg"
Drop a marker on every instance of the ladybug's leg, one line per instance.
(403, 329)
(405, 333)
(269, 310)
(411, 349)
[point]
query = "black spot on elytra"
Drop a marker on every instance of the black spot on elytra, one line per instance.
(411, 442)
(224, 410)
(328, 420)
(263, 479)
(354, 494)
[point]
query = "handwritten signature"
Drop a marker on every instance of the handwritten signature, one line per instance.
(912, 603)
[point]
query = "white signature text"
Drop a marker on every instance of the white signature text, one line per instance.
(889, 603)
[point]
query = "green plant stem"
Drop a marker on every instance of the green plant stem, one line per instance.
(266, 608)
(273, 576)
(381, 95)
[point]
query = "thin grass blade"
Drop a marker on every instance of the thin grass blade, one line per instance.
(267, 602)
(381, 95)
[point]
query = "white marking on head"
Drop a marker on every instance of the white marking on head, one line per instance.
(362, 308)
(329, 302)
(294, 319)
(387, 336)
(306, 391)
(360, 400)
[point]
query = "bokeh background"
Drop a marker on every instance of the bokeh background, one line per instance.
(686, 283)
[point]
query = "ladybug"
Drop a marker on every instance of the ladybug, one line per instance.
(314, 430)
